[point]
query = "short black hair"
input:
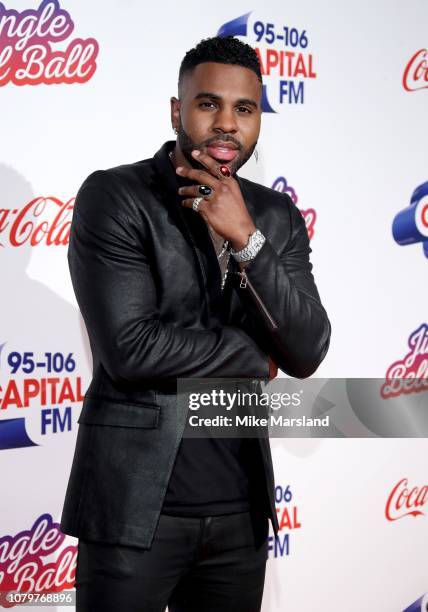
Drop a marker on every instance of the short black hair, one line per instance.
(221, 49)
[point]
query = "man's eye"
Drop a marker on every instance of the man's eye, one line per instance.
(244, 108)
(207, 104)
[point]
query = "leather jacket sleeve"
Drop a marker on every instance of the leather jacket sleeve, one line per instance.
(116, 293)
(283, 302)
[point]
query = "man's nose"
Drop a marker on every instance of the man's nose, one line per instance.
(225, 121)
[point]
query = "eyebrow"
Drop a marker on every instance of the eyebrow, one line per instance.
(213, 96)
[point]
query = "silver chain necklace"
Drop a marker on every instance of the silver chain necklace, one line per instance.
(224, 249)
(223, 282)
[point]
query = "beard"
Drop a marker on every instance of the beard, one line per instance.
(187, 145)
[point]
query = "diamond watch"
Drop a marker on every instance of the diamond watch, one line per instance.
(253, 246)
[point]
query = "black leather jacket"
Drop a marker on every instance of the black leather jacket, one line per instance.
(147, 282)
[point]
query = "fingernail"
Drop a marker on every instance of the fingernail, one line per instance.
(179, 169)
(196, 153)
(180, 190)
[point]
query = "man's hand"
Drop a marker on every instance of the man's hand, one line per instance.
(224, 210)
(273, 369)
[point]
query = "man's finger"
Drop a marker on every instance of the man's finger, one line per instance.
(220, 171)
(199, 176)
(208, 162)
(193, 190)
(188, 203)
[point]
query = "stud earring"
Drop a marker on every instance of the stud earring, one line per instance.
(175, 131)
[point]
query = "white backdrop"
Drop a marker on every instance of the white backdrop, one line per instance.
(353, 152)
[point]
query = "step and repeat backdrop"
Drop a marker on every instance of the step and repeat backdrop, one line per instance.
(85, 86)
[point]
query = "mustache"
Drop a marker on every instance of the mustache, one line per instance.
(224, 138)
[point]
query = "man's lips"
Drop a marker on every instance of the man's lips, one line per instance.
(222, 150)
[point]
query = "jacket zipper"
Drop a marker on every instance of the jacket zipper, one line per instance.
(245, 282)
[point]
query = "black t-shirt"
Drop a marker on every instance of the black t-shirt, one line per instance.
(210, 476)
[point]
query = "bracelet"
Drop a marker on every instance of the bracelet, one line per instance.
(253, 246)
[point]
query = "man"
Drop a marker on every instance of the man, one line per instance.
(182, 269)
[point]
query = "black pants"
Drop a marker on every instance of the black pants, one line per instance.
(209, 564)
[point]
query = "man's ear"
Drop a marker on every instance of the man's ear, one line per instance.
(175, 112)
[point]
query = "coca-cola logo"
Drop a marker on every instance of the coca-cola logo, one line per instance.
(30, 225)
(21, 561)
(406, 501)
(416, 72)
(26, 53)
(410, 374)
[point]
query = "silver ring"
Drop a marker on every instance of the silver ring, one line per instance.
(196, 202)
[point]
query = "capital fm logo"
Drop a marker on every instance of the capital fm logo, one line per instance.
(405, 500)
(283, 49)
(39, 390)
(28, 53)
(287, 510)
(409, 374)
(420, 605)
(410, 226)
(415, 74)
(24, 569)
(309, 214)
